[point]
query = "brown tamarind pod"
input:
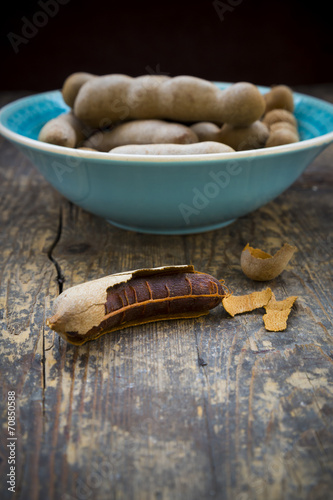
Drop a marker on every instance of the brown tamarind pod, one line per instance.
(111, 98)
(87, 311)
(72, 85)
(141, 132)
(279, 115)
(64, 130)
(197, 148)
(279, 97)
(142, 96)
(281, 134)
(283, 125)
(242, 138)
(253, 136)
(206, 131)
(84, 148)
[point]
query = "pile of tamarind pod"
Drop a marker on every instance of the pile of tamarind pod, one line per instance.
(157, 114)
(279, 117)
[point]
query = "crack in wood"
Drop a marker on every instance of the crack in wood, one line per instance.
(60, 277)
(201, 361)
(208, 420)
(43, 374)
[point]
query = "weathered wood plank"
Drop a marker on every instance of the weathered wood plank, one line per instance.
(28, 227)
(214, 407)
(149, 378)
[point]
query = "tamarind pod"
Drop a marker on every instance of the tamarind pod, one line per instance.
(102, 100)
(282, 135)
(243, 138)
(143, 97)
(85, 312)
(141, 132)
(188, 99)
(64, 130)
(241, 104)
(181, 98)
(279, 97)
(253, 136)
(72, 85)
(284, 125)
(84, 148)
(279, 115)
(206, 131)
(207, 147)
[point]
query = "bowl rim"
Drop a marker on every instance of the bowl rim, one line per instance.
(322, 140)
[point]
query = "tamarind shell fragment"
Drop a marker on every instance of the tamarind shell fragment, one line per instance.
(87, 311)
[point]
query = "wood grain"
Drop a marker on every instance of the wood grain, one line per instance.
(213, 407)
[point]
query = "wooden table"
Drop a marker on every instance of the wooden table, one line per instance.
(214, 407)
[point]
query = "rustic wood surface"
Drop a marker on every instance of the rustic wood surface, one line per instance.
(214, 407)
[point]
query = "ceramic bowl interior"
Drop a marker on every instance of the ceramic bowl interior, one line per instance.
(167, 194)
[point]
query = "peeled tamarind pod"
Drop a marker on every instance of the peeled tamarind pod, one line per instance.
(181, 98)
(72, 85)
(173, 149)
(281, 97)
(279, 115)
(239, 138)
(141, 132)
(87, 311)
(64, 130)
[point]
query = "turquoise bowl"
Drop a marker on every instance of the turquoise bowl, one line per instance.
(167, 194)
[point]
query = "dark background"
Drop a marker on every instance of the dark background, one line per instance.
(265, 42)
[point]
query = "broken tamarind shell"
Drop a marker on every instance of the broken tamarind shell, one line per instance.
(87, 311)
(238, 304)
(277, 312)
(261, 266)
